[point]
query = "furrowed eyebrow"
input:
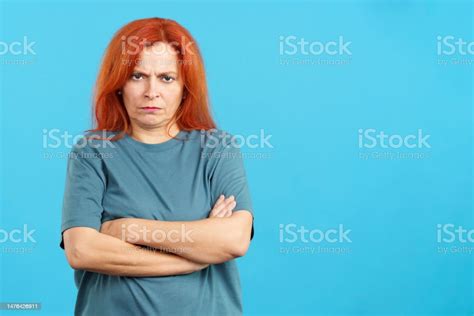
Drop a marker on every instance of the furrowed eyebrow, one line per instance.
(160, 74)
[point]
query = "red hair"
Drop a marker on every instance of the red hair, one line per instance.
(119, 61)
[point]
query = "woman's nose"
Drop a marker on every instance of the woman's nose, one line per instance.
(152, 90)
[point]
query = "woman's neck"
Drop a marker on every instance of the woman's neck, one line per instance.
(154, 135)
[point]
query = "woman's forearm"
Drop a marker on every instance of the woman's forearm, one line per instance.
(211, 240)
(87, 249)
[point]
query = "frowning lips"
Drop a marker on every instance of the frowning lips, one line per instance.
(150, 108)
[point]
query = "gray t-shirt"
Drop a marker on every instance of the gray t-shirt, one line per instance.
(177, 180)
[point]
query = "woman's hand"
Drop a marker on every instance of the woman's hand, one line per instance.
(118, 227)
(223, 206)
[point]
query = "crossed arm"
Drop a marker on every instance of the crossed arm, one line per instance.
(117, 248)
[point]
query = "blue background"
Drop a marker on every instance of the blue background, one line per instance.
(313, 176)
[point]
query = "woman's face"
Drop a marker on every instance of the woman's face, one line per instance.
(154, 91)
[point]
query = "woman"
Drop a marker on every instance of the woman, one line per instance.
(153, 218)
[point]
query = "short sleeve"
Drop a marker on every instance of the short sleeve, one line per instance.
(84, 191)
(229, 178)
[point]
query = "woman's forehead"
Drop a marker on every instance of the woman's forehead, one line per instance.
(161, 57)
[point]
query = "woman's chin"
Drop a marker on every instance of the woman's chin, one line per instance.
(151, 122)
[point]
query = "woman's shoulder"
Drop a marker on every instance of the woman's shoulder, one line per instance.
(94, 141)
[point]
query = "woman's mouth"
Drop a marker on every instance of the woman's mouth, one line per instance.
(150, 108)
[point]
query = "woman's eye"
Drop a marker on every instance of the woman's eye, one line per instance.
(167, 78)
(137, 76)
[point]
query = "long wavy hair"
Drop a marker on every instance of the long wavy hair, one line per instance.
(120, 58)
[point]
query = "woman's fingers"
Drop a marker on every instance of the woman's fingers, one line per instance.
(227, 208)
(219, 201)
(230, 208)
(218, 205)
(223, 206)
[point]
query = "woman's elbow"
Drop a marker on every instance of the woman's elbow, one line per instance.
(76, 256)
(76, 247)
(241, 237)
(233, 249)
(240, 246)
